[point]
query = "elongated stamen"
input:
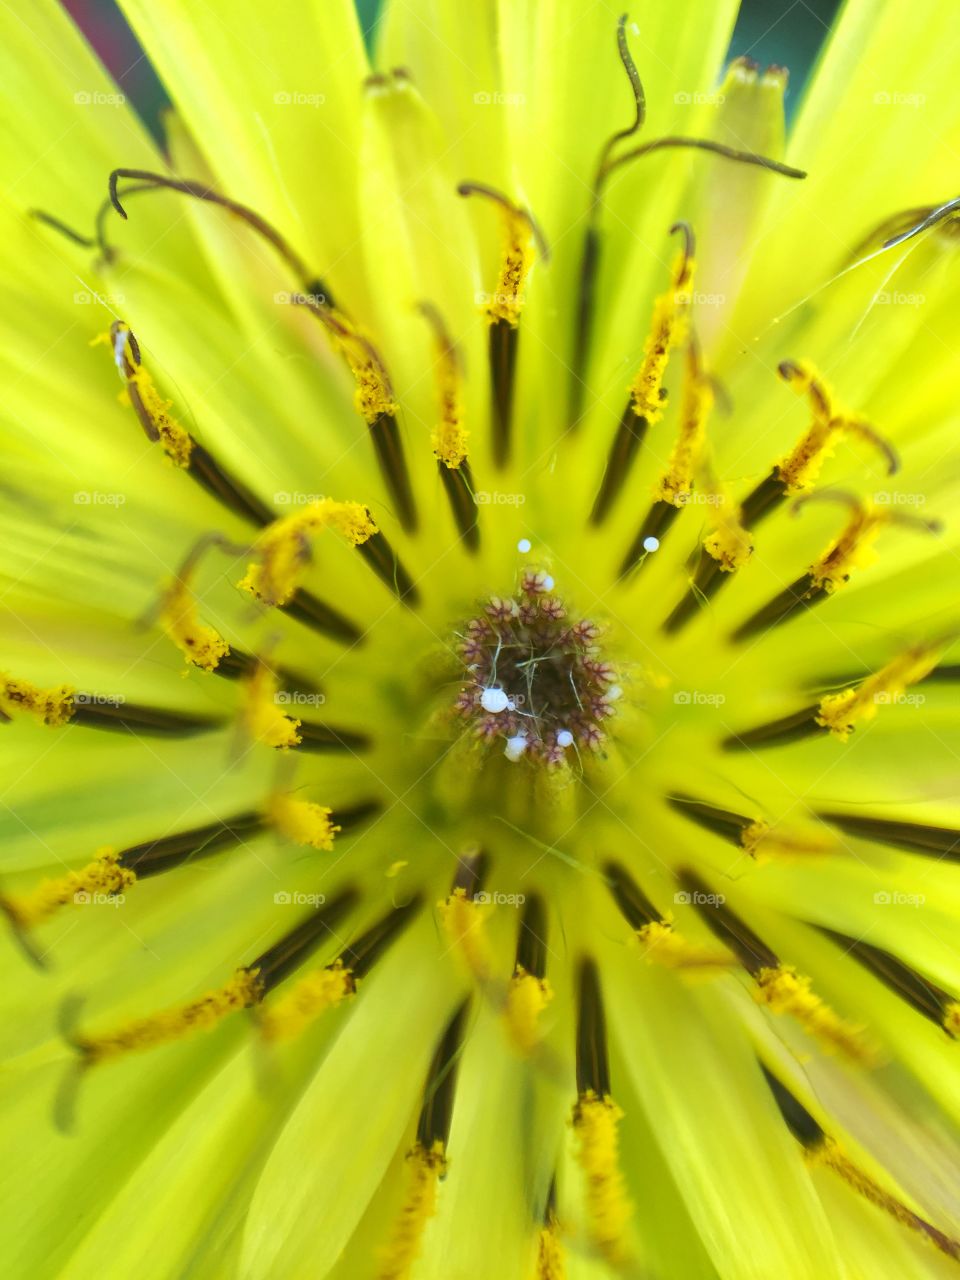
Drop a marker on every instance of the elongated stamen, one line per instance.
(151, 409)
(659, 940)
(464, 920)
(319, 738)
(325, 988)
(51, 707)
(99, 238)
(198, 191)
(247, 987)
(738, 830)
(450, 434)
(502, 308)
(63, 704)
(931, 219)
(835, 566)
(385, 563)
(780, 988)
(375, 402)
(595, 1120)
(529, 992)
(729, 546)
(914, 837)
(282, 550)
(103, 878)
(153, 857)
(822, 1149)
(668, 329)
(922, 995)
(427, 1160)
(778, 733)
(590, 254)
(178, 615)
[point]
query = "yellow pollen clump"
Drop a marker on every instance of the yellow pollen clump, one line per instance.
(242, 991)
(312, 995)
(527, 997)
(141, 392)
(676, 484)
(283, 548)
(302, 821)
(373, 395)
(551, 1262)
(595, 1123)
(262, 716)
(664, 946)
(201, 645)
(852, 549)
(52, 707)
(518, 257)
(424, 1170)
(103, 876)
(463, 921)
(841, 712)
(783, 990)
(449, 437)
(668, 329)
(800, 468)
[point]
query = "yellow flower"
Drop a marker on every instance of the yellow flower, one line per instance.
(478, 698)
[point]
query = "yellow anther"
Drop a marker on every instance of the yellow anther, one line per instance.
(676, 484)
(262, 716)
(200, 644)
(800, 468)
(522, 240)
(527, 997)
(449, 437)
(730, 544)
(103, 877)
(783, 990)
(312, 995)
(52, 707)
(302, 821)
(283, 548)
(595, 1122)
(424, 1171)
(831, 1155)
(668, 328)
(142, 394)
(551, 1260)
(662, 945)
(841, 712)
(242, 991)
(464, 921)
(853, 549)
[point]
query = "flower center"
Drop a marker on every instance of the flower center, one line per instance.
(535, 681)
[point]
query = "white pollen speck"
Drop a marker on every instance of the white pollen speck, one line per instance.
(651, 544)
(564, 738)
(494, 701)
(613, 693)
(515, 747)
(524, 545)
(548, 583)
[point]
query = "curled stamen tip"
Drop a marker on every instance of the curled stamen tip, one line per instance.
(689, 239)
(788, 370)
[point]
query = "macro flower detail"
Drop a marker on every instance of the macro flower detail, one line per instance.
(478, 707)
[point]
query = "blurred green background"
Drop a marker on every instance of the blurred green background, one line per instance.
(789, 32)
